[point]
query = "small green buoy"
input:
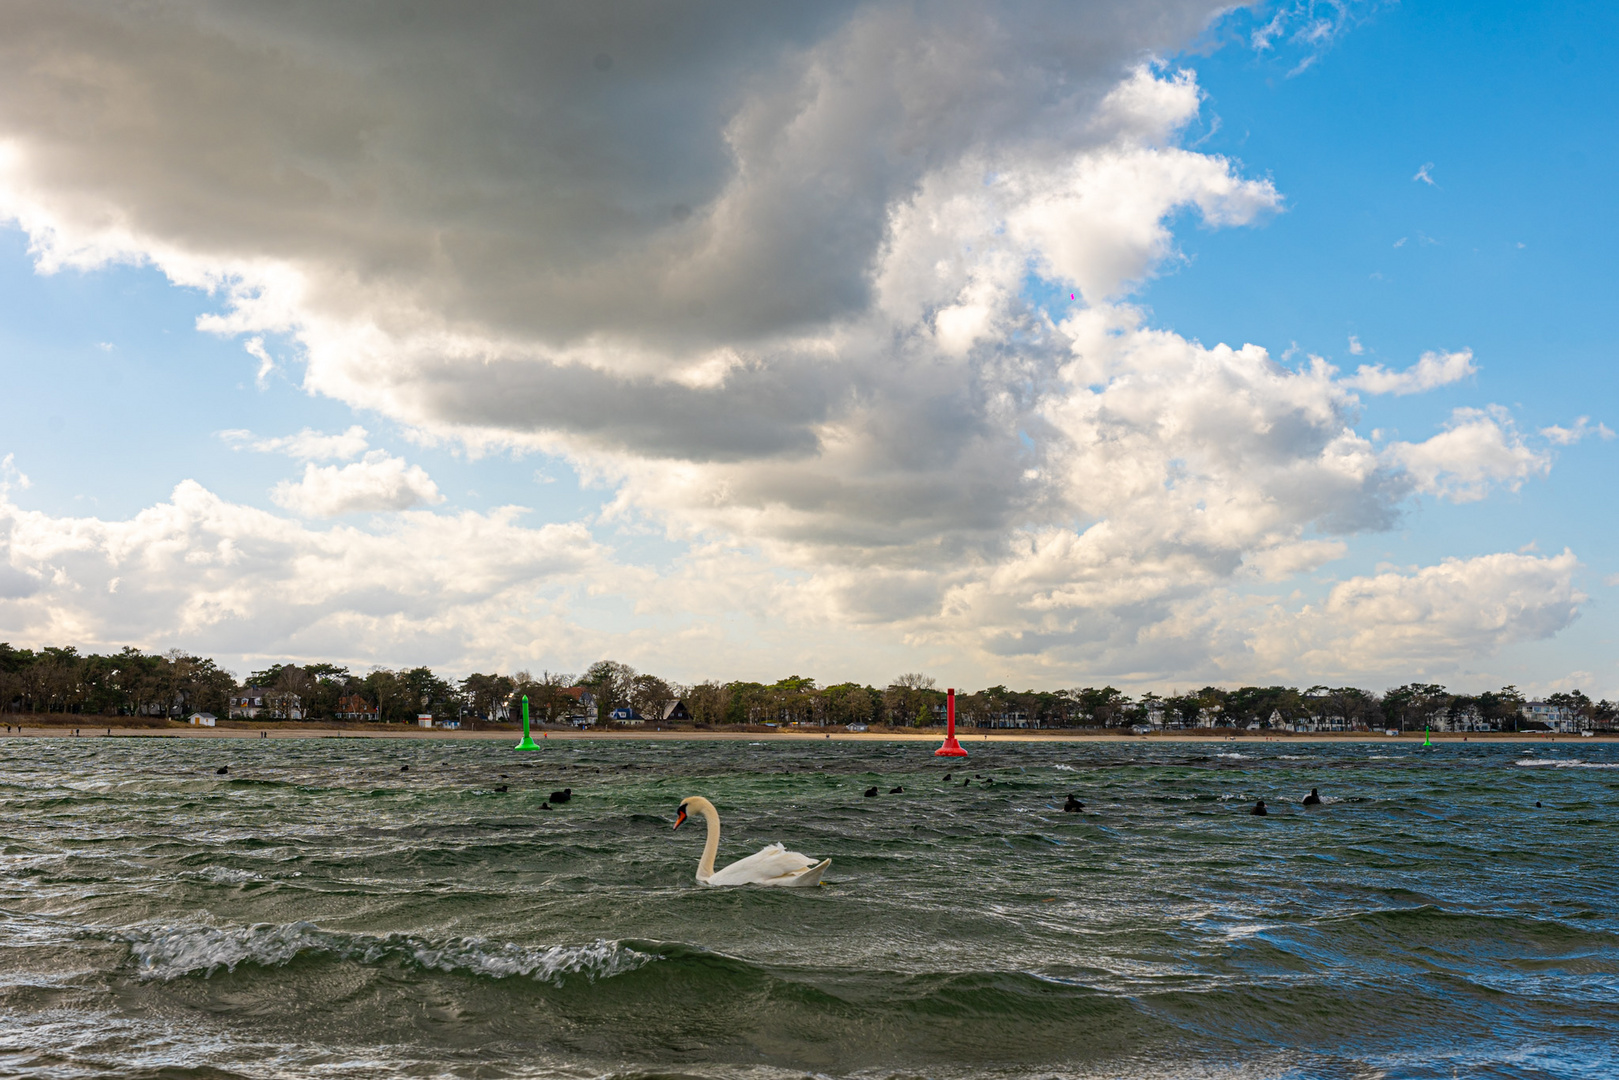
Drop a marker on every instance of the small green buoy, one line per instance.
(528, 742)
(1425, 741)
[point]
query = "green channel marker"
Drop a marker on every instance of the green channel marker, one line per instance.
(528, 742)
(1425, 741)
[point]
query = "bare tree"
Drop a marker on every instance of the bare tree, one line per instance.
(292, 688)
(649, 696)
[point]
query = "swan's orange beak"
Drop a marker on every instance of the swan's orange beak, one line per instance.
(680, 817)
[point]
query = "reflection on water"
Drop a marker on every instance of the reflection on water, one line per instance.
(318, 910)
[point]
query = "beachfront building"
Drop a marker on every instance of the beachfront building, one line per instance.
(1556, 717)
(626, 714)
(1008, 718)
(676, 712)
(355, 707)
(580, 706)
(201, 719)
(247, 703)
(1322, 721)
(1467, 718)
(257, 703)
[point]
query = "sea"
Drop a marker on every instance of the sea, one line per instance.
(382, 908)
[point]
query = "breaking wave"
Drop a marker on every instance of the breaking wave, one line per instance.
(170, 952)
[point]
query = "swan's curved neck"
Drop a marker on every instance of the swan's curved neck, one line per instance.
(705, 866)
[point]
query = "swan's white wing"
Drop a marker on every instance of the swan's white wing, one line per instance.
(763, 865)
(811, 876)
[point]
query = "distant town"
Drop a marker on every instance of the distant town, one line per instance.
(174, 686)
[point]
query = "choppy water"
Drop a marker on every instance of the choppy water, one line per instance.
(318, 912)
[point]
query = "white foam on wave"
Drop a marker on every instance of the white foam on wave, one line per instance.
(223, 875)
(1066, 768)
(1240, 757)
(1568, 763)
(169, 952)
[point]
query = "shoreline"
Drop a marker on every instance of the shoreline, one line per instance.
(285, 730)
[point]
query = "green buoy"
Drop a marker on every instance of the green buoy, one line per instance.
(528, 742)
(1425, 741)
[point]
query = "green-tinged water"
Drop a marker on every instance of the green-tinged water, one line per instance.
(318, 912)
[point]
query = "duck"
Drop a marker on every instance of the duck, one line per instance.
(1313, 799)
(223, 770)
(871, 792)
(771, 865)
(1259, 809)
(1073, 805)
(500, 787)
(897, 790)
(561, 796)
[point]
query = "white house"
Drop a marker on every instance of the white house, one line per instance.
(252, 701)
(247, 703)
(1556, 717)
(201, 719)
(1466, 719)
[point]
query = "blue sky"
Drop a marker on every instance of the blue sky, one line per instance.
(1508, 252)
(1438, 183)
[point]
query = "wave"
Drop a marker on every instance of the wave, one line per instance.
(171, 952)
(1567, 763)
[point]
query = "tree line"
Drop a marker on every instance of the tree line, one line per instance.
(133, 683)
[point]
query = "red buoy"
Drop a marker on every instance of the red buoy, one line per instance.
(951, 747)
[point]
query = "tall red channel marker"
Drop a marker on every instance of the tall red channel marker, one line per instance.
(951, 747)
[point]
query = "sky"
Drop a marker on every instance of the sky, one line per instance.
(1154, 344)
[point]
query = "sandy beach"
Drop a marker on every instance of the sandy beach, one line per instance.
(295, 730)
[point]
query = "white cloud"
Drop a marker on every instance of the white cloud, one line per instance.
(1479, 449)
(1433, 369)
(255, 348)
(203, 573)
(1427, 620)
(1355, 347)
(765, 277)
(306, 445)
(11, 476)
(470, 591)
(1568, 436)
(1425, 174)
(378, 482)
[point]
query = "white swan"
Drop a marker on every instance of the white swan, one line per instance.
(773, 865)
